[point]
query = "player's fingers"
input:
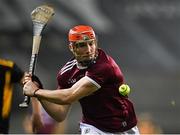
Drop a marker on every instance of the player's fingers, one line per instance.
(25, 81)
(27, 74)
(28, 88)
(27, 78)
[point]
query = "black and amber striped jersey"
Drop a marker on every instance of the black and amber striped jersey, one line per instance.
(10, 73)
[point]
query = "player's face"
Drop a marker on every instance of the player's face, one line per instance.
(84, 50)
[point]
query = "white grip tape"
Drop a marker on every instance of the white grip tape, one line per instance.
(36, 44)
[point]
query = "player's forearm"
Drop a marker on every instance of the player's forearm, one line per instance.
(80, 89)
(61, 97)
(36, 107)
(58, 112)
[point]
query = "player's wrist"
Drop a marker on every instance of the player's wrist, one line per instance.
(35, 92)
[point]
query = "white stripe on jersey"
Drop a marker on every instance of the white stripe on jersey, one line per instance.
(69, 65)
(94, 82)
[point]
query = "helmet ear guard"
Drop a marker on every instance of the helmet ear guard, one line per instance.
(71, 47)
(81, 33)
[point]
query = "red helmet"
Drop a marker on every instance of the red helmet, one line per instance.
(81, 32)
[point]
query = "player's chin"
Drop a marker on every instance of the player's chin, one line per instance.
(88, 58)
(85, 58)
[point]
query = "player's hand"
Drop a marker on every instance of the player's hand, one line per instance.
(29, 86)
(27, 77)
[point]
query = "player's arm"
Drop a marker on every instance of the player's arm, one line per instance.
(37, 122)
(57, 112)
(57, 102)
(84, 87)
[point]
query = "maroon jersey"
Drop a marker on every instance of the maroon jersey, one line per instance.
(105, 109)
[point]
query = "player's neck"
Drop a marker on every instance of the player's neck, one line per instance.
(80, 66)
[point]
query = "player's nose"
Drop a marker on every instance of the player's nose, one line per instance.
(89, 48)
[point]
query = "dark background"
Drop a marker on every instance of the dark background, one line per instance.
(141, 35)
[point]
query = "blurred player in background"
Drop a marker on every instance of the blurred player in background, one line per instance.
(93, 78)
(39, 121)
(50, 126)
(147, 125)
(10, 73)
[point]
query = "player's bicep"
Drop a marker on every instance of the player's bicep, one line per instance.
(84, 87)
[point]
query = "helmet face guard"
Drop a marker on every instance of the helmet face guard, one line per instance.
(81, 33)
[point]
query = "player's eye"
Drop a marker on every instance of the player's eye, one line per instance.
(91, 43)
(82, 44)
